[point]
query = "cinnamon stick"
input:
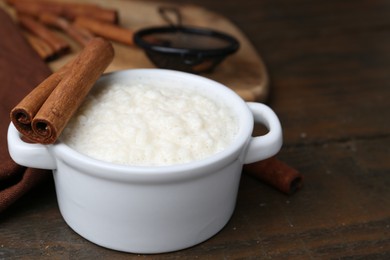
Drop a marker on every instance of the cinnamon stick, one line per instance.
(23, 114)
(58, 44)
(68, 10)
(34, 8)
(79, 35)
(107, 15)
(43, 114)
(40, 46)
(106, 30)
(277, 174)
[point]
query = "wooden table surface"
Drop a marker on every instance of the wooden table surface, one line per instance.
(329, 66)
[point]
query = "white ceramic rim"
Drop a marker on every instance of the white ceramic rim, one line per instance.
(119, 172)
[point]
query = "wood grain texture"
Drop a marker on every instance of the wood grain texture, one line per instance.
(329, 66)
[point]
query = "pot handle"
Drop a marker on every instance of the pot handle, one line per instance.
(28, 154)
(265, 146)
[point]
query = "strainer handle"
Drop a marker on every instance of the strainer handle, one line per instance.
(166, 12)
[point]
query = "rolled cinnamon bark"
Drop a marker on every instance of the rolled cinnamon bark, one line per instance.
(34, 8)
(40, 46)
(106, 30)
(43, 114)
(58, 44)
(277, 174)
(107, 15)
(22, 115)
(68, 10)
(78, 34)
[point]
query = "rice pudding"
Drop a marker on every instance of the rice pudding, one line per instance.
(150, 125)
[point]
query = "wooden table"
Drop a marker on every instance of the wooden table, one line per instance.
(329, 65)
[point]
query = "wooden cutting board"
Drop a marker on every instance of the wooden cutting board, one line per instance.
(244, 72)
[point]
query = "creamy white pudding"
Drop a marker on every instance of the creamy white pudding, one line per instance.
(150, 124)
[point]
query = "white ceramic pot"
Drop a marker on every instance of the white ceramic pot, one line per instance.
(153, 209)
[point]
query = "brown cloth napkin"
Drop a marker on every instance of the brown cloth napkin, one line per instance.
(21, 70)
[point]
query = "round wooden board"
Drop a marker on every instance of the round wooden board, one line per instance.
(244, 71)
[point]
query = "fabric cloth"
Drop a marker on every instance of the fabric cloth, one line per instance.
(21, 69)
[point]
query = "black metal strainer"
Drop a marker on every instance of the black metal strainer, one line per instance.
(184, 48)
